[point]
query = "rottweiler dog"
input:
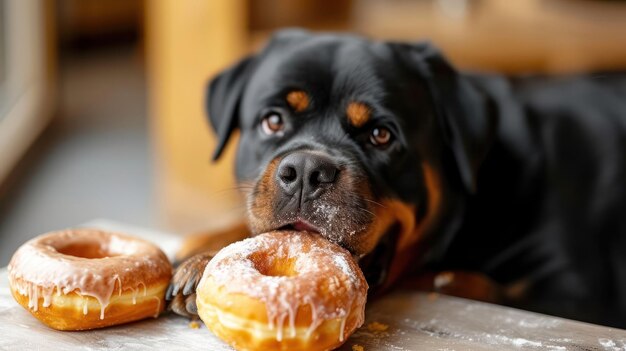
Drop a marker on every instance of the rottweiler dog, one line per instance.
(516, 187)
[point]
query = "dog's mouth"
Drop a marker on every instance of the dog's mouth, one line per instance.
(370, 239)
(301, 226)
(375, 264)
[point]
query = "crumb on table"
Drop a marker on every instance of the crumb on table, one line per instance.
(377, 327)
(443, 279)
(357, 347)
(432, 296)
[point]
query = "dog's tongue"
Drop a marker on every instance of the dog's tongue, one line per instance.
(303, 226)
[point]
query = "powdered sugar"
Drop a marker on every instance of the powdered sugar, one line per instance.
(326, 211)
(612, 345)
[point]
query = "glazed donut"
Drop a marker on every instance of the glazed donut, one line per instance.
(282, 291)
(85, 279)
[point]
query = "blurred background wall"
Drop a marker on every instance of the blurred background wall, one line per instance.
(101, 102)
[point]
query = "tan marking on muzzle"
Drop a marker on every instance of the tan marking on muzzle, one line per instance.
(261, 209)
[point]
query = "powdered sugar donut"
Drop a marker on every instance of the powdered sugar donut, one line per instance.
(85, 279)
(282, 291)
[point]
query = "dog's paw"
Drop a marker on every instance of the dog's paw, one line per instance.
(181, 293)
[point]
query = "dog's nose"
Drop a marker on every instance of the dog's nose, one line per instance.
(306, 171)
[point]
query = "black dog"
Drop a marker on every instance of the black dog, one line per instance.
(388, 151)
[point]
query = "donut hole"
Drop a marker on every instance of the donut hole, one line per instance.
(273, 267)
(89, 250)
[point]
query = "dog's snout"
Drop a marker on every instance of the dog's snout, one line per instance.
(307, 172)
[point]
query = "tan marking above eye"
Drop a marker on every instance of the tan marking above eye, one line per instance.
(358, 114)
(298, 100)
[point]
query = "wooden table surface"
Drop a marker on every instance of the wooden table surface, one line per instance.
(399, 321)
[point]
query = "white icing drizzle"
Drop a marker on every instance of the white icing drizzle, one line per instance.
(342, 328)
(38, 268)
(158, 308)
(145, 288)
(117, 277)
(313, 326)
(279, 330)
(327, 279)
(292, 321)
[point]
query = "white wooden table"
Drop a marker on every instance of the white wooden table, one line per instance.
(413, 321)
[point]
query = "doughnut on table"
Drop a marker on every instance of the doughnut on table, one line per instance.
(399, 321)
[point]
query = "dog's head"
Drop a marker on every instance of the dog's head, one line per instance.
(358, 140)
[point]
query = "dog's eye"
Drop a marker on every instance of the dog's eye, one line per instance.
(380, 136)
(272, 123)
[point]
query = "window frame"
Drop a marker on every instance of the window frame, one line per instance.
(26, 94)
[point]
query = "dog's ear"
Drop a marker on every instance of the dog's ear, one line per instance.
(462, 110)
(223, 98)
